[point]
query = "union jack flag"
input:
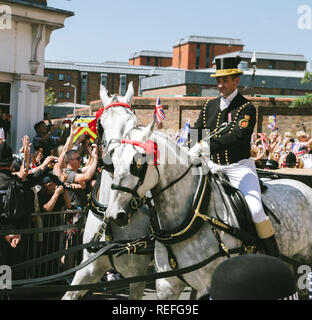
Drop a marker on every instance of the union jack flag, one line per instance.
(159, 113)
(71, 221)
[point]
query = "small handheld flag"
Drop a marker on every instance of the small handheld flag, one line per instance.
(272, 122)
(159, 113)
(185, 132)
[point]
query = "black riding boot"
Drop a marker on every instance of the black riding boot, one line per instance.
(270, 246)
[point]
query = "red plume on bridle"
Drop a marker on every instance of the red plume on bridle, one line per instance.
(149, 146)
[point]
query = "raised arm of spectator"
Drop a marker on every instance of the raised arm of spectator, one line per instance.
(48, 207)
(89, 172)
(68, 146)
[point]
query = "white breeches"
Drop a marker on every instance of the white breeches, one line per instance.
(243, 176)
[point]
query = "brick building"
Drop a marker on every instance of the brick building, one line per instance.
(151, 58)
(115, 76)
(196, 52)
(184, 72)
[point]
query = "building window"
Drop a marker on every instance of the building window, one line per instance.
(84, 84)
(5, 97)
(104, 79)
(68, 77)
(197, 55)
(156, 61)
(61, 95)
(148, 61)
(272, 65)
(68, 95)
(140, 86)
(50, 76)
(207, 56)
(122, 85)
(61, 77)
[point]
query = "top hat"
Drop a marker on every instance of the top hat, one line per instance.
(6, 156)
(253, 277)
(227, 66)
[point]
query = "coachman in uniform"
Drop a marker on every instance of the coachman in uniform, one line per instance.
(230, 149)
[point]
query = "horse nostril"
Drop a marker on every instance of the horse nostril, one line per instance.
(122, 218)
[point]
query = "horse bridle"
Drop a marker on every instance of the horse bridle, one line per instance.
(137, 169)
(136, 202)
(100, 112)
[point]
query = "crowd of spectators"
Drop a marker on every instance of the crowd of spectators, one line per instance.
(275, 151)
(56, 176)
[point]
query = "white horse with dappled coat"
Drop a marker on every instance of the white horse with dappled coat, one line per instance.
(174, 186)
(116, 120)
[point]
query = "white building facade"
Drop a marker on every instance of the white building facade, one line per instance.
(25, 29)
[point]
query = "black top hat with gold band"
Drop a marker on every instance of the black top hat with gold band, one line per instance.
(227, 66)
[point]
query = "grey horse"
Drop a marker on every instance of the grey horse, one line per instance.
(290, 200)
(116, 122)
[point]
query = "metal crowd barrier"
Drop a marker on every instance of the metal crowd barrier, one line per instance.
(49, 232)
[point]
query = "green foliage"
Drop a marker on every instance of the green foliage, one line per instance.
(49, 97)
(307, 77)
(304, 100)
(307, 98)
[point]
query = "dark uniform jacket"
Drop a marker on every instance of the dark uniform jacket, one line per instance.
(233, 144)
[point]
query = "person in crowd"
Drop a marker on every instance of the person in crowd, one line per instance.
(13, 209)
(275, 141)
(230, 149)
(271, 164)
(302, 145)
(5, 123)
(45, 140)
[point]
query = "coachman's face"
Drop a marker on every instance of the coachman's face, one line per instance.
(226, 85)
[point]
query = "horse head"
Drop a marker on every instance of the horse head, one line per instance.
(148, 161)
(117, 117)
(135, 172)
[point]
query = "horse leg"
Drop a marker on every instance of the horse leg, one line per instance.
(169, 288)
(130, 266)
(88, 275)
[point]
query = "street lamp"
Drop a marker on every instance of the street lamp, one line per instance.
(75, 94)
(254, 66)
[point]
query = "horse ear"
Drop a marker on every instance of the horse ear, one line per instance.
(130, 125)
(104, 96)
(147, 131)
(129, 94)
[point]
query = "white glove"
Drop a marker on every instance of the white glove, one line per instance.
(195, 151)
(205, 148)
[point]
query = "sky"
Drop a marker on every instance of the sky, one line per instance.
(112, 30)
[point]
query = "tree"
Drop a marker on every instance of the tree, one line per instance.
(307, 98)
(49, 97)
